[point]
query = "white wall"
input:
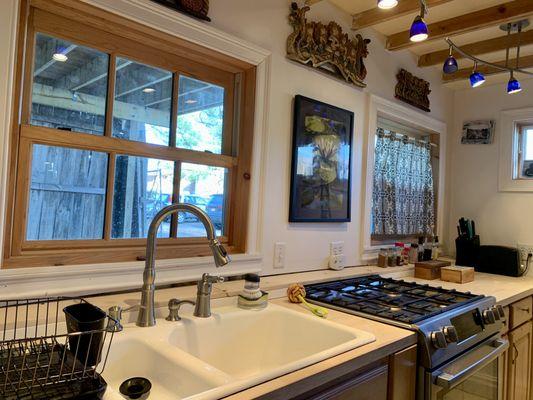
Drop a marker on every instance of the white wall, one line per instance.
(265, 23)
(502, 218)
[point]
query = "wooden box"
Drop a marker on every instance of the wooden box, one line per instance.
(457, 274)
(429, 270)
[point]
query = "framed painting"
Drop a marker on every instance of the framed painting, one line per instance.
(321, 162)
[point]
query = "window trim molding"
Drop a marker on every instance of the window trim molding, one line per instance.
(507, 136)
(177, 25)
(380, 107)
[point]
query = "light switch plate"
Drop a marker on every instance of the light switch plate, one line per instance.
(279, 255)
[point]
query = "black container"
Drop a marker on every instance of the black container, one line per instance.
(467, 251)
(82, 318)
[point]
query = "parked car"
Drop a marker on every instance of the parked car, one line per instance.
(195, 200)
(215, 210)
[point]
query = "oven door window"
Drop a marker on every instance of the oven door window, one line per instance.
(485, 384)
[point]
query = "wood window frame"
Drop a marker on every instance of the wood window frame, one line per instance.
(521, 150)
(87, 25)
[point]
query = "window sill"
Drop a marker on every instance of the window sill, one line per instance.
(104, 278)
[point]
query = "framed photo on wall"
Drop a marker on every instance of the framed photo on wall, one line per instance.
(478, 132)
(321, 162)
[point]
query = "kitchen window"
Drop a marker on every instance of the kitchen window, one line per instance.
(404, 187)
(117, 121)
(524, 161)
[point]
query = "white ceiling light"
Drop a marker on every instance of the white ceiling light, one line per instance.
(60, 57)
(149, 90)
(387, 4)
(191, 101)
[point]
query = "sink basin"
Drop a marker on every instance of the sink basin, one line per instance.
(234, 349)
(266, 343)
(173, 375)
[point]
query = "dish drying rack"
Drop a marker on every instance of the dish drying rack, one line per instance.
(40, 359)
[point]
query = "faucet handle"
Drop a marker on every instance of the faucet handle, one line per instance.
(206, 278)
(174, 306)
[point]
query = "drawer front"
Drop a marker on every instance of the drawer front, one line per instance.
(520, 312)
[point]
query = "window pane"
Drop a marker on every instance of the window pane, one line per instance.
(69, 86)
(67, 194)
(529, 144)
(204, 187)
(143, 186)
(143, 95)
(200, 115)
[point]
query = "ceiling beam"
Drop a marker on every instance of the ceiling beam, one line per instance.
(491, 16)
(525, 62)
(377, 15)
(478, 48)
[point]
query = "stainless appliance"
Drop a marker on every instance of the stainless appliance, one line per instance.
(459, 343)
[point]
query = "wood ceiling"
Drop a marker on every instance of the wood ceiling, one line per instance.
(472, 24)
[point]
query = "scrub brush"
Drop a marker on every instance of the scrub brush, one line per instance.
(296, 294)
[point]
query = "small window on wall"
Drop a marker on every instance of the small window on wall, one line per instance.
(405, 186)
(524, 161)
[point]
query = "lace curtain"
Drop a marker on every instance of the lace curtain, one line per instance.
(403, 199)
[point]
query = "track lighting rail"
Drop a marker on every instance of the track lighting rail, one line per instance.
(480, 61)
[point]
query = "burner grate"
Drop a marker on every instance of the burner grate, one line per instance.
(397, 300)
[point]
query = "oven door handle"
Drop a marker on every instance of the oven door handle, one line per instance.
(447, 380)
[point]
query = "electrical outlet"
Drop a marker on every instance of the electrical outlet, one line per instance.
(279, 255)
(336, 248)
(524, 250)
(337, 262)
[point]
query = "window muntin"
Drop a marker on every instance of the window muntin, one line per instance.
(66, 203)
(61, 97)
(142, 103)
(237, 79)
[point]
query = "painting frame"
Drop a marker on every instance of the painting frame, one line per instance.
(478, 132)
(320, 185)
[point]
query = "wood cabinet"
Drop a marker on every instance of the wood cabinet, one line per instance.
(390, 378)
(519, 361)
(371, 385)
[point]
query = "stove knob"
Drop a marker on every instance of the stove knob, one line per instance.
(501, 313)
(451, 334)
(438, 339)
(488, 317)
(496, 313)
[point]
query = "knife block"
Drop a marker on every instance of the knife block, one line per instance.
(467, 251)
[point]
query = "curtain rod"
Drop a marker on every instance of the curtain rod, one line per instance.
(410, 138)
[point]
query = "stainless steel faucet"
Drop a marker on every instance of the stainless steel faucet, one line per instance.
(146, 315)
(203, 295)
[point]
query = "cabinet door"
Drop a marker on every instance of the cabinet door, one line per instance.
(519, 378)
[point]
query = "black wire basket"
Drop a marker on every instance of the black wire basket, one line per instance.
(44, 355)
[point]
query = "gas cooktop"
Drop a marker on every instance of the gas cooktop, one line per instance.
(391, 299)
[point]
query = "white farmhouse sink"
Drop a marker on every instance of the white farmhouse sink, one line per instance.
(234, 349)
(173, 375)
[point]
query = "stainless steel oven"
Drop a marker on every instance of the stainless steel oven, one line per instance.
(475, 375)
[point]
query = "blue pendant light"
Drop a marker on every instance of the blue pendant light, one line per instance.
(476, 78)
(419, 30)
(450, 65)
(513, 86)
(387, 4)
